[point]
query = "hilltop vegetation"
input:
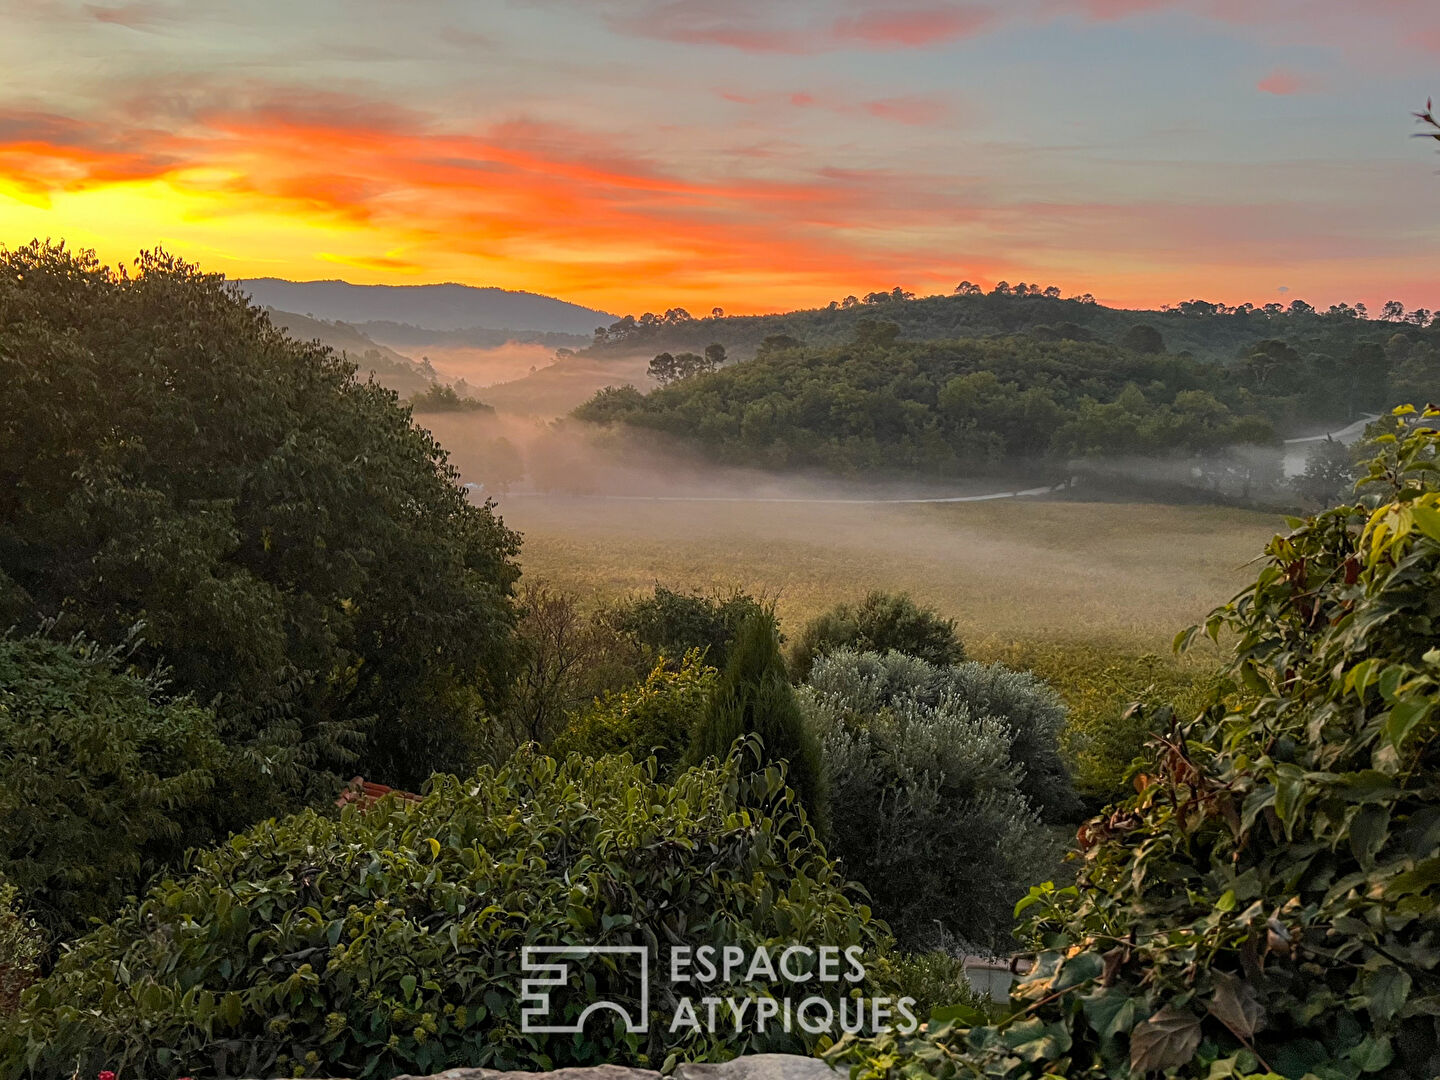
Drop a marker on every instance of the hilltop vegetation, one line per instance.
(954, 407)
(1206, 330)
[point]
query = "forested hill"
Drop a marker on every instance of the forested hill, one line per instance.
(879, 402)
(1207, 331)
(435, 307)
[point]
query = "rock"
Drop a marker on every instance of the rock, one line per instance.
(584, 1072)
(751, 1067)
(761, 1067)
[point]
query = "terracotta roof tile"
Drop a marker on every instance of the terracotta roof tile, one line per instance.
(367, 794)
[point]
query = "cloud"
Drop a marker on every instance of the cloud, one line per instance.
(917, 110)
(913, 28)
(570, 207)
(385, 263)
(1283, 83)
(755, 28)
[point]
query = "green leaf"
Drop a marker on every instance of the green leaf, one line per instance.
(1110, 1012)
(1386, 989)
(1373, 1054)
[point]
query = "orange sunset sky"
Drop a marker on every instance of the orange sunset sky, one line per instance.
(635, 155)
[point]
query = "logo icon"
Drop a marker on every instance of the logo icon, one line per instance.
(546, 963)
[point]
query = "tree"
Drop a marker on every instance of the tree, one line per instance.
(714, 356)
(1329, 475)
(1143, 338)
(301, 554)
(880, 623)
(754, 697)
(663, 369)
(104, 778)
(669, 624)
(875, 334)
(568, 656)
(430, 905)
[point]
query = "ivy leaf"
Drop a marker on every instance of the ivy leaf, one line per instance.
(1170, 1037)
(1110, 1012)
(1368, 832)
(1387, 988)
(1237, 1006)
(1373, 1054)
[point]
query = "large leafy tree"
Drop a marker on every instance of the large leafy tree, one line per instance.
(1266, 904)
(298, 552)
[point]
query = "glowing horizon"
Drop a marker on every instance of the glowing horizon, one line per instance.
(636, 155)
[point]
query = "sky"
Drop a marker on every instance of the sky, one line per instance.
(636, 155)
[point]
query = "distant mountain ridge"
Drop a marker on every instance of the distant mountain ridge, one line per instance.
(434, 307)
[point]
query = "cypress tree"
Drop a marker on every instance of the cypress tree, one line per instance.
(755, 697)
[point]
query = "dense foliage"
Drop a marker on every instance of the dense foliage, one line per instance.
(670, 623)
(22, 945)
(880, 623)
(299, 552)
(754, 697)
(939, 779)
(947, 406)
(441, 398)
(102, 775)
(654, 718)
(1266, 904)
(388, 941)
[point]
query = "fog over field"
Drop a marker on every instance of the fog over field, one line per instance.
(606, 515)
(1133, 574)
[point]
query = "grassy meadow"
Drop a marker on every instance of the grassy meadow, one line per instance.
(1087, 595)
(1125, 575)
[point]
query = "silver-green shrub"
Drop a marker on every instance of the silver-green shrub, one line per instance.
(940, 778)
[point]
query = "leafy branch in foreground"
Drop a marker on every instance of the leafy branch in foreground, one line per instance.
(1265, 905)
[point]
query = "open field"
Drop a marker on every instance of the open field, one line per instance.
(1125, 575)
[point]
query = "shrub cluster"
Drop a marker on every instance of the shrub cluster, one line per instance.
(657, 717)
(388, 941)
(670, 623)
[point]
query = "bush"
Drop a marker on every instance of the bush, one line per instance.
(656, 718)
(935, 979)
(1266, 904)
(929, 807)
(881, 622)
(754, 697)
(21, 946)
(1104, 732)
(567, 656)
(295, 546)
(1033, 715)
(388, 941)
(670, 624)
(100, 774)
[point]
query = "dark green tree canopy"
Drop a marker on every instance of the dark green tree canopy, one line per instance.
(880, 623)
(295, 547)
